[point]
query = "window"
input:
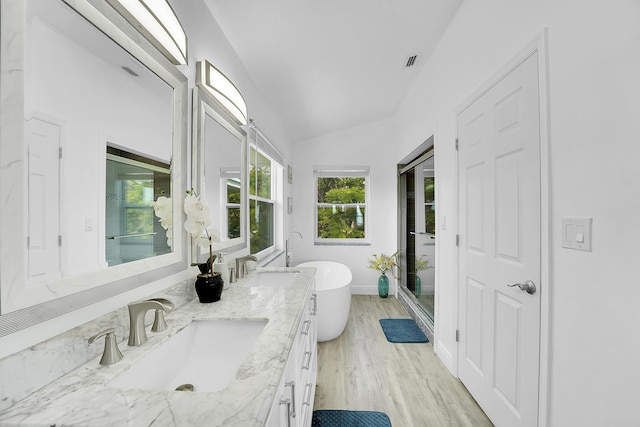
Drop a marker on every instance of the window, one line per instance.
(341, 204)
(265, 193)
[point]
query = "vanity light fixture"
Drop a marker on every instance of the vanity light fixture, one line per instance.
(210, 79)
(156, 20)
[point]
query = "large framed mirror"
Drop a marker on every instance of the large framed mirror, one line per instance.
(93, 131)
(219, 168)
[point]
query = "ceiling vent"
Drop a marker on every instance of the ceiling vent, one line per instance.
(411, 61)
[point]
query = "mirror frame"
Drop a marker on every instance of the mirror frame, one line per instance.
(203, 105)
(113, 280)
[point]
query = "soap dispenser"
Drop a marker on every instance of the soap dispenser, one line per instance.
(221, 266)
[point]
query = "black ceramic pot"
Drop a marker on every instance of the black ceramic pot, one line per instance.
(209, 287)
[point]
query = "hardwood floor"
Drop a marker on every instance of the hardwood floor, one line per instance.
(360, 370)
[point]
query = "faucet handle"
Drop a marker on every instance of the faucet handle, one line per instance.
(111, 353)
(159, 324)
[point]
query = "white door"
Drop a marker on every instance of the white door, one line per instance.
(43, 201)
(499, 179)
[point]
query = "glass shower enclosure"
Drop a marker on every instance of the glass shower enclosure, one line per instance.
(418, 234)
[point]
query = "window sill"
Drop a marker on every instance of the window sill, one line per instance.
(267, 259)
(346, 242)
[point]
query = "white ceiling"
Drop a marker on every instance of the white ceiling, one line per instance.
(327, 65)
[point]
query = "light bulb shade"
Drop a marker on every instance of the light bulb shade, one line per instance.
(156, 20)
(222, 90)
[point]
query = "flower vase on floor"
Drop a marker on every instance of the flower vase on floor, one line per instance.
(383, 286)
(384, 263)
(418, 290)
(209, 287)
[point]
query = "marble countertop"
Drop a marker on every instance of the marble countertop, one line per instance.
(83, 397)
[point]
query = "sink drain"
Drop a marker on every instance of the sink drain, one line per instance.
(185, 387)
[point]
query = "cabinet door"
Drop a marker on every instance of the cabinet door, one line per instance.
(283, 411)
(293, 406)
(308, 366)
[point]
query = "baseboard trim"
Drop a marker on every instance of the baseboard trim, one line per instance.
(364, 290)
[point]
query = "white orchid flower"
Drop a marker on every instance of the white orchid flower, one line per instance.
(210, 235)
(196, 226)
(162, 206)
(198, 218)
(162, 209)
(196, 208)
(169, 235)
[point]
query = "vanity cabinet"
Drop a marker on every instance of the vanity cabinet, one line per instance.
(293, 406)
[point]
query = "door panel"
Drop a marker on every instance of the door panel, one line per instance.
(499, 164)
(507, 316)
(508, 209)
(473, 337)
(475, 183)
(43, 200)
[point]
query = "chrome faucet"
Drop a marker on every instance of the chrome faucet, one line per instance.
(287, 252)
(241, 265)
(137, 311)
(111, 353)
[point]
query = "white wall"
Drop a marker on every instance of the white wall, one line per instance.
(371, 145)
(594, 104)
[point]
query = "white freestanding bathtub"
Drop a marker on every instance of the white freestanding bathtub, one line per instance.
(333, 287)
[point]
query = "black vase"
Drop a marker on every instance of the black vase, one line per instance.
(209, 287)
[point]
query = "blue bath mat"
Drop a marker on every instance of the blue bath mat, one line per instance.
(402, 331)
(339, 418)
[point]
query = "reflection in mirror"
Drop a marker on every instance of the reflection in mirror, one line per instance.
(223, 183)
(219, 170)
(82, 93)
(65, 58)
(133, 184)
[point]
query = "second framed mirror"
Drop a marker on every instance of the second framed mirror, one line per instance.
(219, 168)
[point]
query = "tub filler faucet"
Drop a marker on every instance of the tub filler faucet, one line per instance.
(287, 252)
(137, 311)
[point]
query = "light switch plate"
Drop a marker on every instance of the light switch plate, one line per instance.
(576, 233)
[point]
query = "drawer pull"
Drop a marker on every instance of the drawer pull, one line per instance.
(314, 310)
(307, 326)
(307, 398)
(307, 362)
(288, 403)
(292, 384)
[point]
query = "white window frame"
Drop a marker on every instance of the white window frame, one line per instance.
(334, 171)
(277, 191)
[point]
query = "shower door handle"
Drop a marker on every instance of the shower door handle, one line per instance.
(528, 286)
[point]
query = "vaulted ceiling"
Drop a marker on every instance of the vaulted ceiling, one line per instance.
(327, 65)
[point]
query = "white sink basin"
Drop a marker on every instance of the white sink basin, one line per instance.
(206, 355)
(276, 279)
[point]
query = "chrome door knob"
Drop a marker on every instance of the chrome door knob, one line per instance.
(527, 286)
